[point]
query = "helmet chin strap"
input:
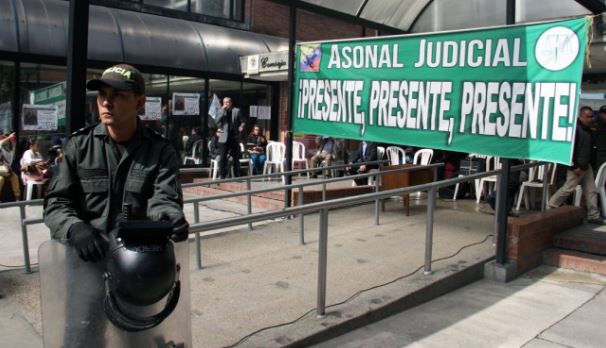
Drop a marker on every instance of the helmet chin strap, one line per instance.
(133, 323)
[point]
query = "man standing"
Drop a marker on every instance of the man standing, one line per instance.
(230, 125)
(114, 162)
(367, 152)
(581, 173)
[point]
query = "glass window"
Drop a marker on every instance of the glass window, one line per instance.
(215, 8)
(42, 89)
(7, 75)
(181, 117)
(180, 5)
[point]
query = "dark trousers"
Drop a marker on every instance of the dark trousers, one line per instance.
(232, 148)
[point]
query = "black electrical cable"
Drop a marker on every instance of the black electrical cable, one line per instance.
(357, 293)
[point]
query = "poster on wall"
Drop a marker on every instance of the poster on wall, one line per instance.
(260, 112)
(39, 117)
(501, 91)
(52, 95)
(186, 104)
(152, 109)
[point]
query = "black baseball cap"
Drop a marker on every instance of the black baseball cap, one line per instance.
(121, 77)
(603, 108)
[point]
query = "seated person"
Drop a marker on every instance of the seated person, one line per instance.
(33, 165)
(327, 151)
(196, 135)
(367, 152)
(7, 152)
(256, 145)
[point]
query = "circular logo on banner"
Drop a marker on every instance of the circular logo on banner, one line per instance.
(557, 48)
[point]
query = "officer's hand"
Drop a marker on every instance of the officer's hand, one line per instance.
(88, 242)
(180, 227)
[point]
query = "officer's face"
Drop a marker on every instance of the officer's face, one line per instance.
(118, 108)
(586, 117)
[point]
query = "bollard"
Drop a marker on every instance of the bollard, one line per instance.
(377, 189)
(546, 181)
(323, 191)
(249, 202)
(322, 264)
(24, 240)
(301, 219)
(198, 241)
(431, 204)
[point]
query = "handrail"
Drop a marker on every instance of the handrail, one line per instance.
(305, 184)
(291, 173)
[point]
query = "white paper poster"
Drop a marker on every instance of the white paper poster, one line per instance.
(264, 112)
(152, 109)
(254, 111)
(186, 104)
(39, 117)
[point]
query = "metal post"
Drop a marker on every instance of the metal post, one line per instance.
(322, 264)
(77, 56)
(16, 102)
(377, 189)
(288, 167)
(324, 191)
(205, 135)
(546, 181)
(431, 204)
(301, 219)
(24, 241)
(198, 242)
(292, 36)
(249, 201)
(501, 212)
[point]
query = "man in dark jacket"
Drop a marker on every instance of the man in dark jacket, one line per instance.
(367, 152)
(580, 173)
(117, 161)
(231, 125)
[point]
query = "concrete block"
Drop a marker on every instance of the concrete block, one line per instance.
(502, 273)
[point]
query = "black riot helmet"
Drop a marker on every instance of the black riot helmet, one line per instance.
(141, 271)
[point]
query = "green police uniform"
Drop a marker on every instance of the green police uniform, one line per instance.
(97, 175)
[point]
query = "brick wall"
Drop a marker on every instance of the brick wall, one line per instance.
(529, 235)
(272, 18)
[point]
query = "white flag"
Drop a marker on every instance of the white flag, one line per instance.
(215, 107)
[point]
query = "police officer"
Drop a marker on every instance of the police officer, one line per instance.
(114, 162)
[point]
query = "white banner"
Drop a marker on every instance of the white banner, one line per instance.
(39, 117)
(186, 104)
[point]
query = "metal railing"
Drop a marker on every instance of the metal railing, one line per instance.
(299, 210)
(324, 207)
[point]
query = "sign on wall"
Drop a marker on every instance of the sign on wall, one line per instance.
(186, 104)
(152, 109)
(39, 117)
(507, 91)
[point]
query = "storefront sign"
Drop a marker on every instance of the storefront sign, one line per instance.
(152, 109)
(39, 117)
(507, 91)
(186, 104)
(273, 62)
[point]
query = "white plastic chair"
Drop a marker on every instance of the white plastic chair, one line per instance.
(298, 155)
(536, 177)
(456, 190)
(600, 181)
(275, 153)
(244, 160)
(492, 163)
(195, 153)
(395, 155)
(423, 157)
(380, 152)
